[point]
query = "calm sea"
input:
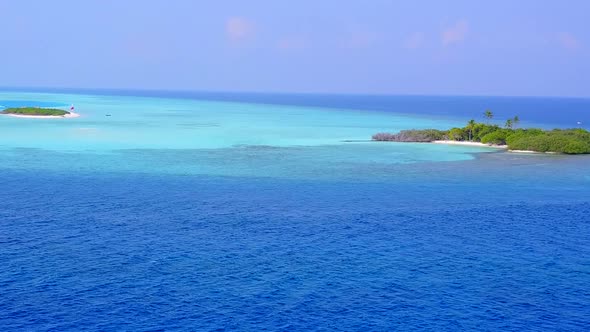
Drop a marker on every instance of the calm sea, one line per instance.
(201, 212)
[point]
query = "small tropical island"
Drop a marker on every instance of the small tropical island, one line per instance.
(38, 112)
(565, 141)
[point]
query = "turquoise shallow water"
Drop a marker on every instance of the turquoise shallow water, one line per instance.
(181, 214)
(158, 123)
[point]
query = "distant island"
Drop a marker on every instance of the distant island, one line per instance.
(38, 112)
(566, 141)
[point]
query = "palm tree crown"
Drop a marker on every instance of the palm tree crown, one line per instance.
(488, 115)
(516, 120)
(508, 123)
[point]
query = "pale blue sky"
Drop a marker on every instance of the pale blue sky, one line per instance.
(500, 47)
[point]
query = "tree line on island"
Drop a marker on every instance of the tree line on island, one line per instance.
(568, 141)
(35, 111)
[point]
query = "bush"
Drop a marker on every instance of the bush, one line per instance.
(383, 137)
(496, 137)
(571, 141)
(458, 134)
(414, 135)
(522, 133)
(481, 129)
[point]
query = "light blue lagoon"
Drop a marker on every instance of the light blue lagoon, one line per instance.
(160, 123)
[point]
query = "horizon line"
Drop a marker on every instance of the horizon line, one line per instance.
(89, 90)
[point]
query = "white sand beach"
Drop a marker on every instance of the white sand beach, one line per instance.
(529, 151)
(70, 115)
(477, 144)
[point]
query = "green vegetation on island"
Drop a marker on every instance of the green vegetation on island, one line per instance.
(568, 141)
(38, 111)
(413, 135)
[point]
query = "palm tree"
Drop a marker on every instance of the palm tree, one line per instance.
(515, 121)
(489, 115)
(508, 124)
(470, 126)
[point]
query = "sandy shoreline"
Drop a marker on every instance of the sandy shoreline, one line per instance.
(529, 151)
(71, 115)
(523, 151)
(474, 144)
(483, 145)
(477, 144)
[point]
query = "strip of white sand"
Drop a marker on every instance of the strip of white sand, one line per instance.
(529, 151)
(522, 151)
(70, 115)
(474, 144)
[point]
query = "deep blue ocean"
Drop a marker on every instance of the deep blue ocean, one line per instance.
(292, 238)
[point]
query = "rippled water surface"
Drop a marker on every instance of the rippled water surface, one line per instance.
(176, 214)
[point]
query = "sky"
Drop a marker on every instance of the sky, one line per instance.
(423, 47)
